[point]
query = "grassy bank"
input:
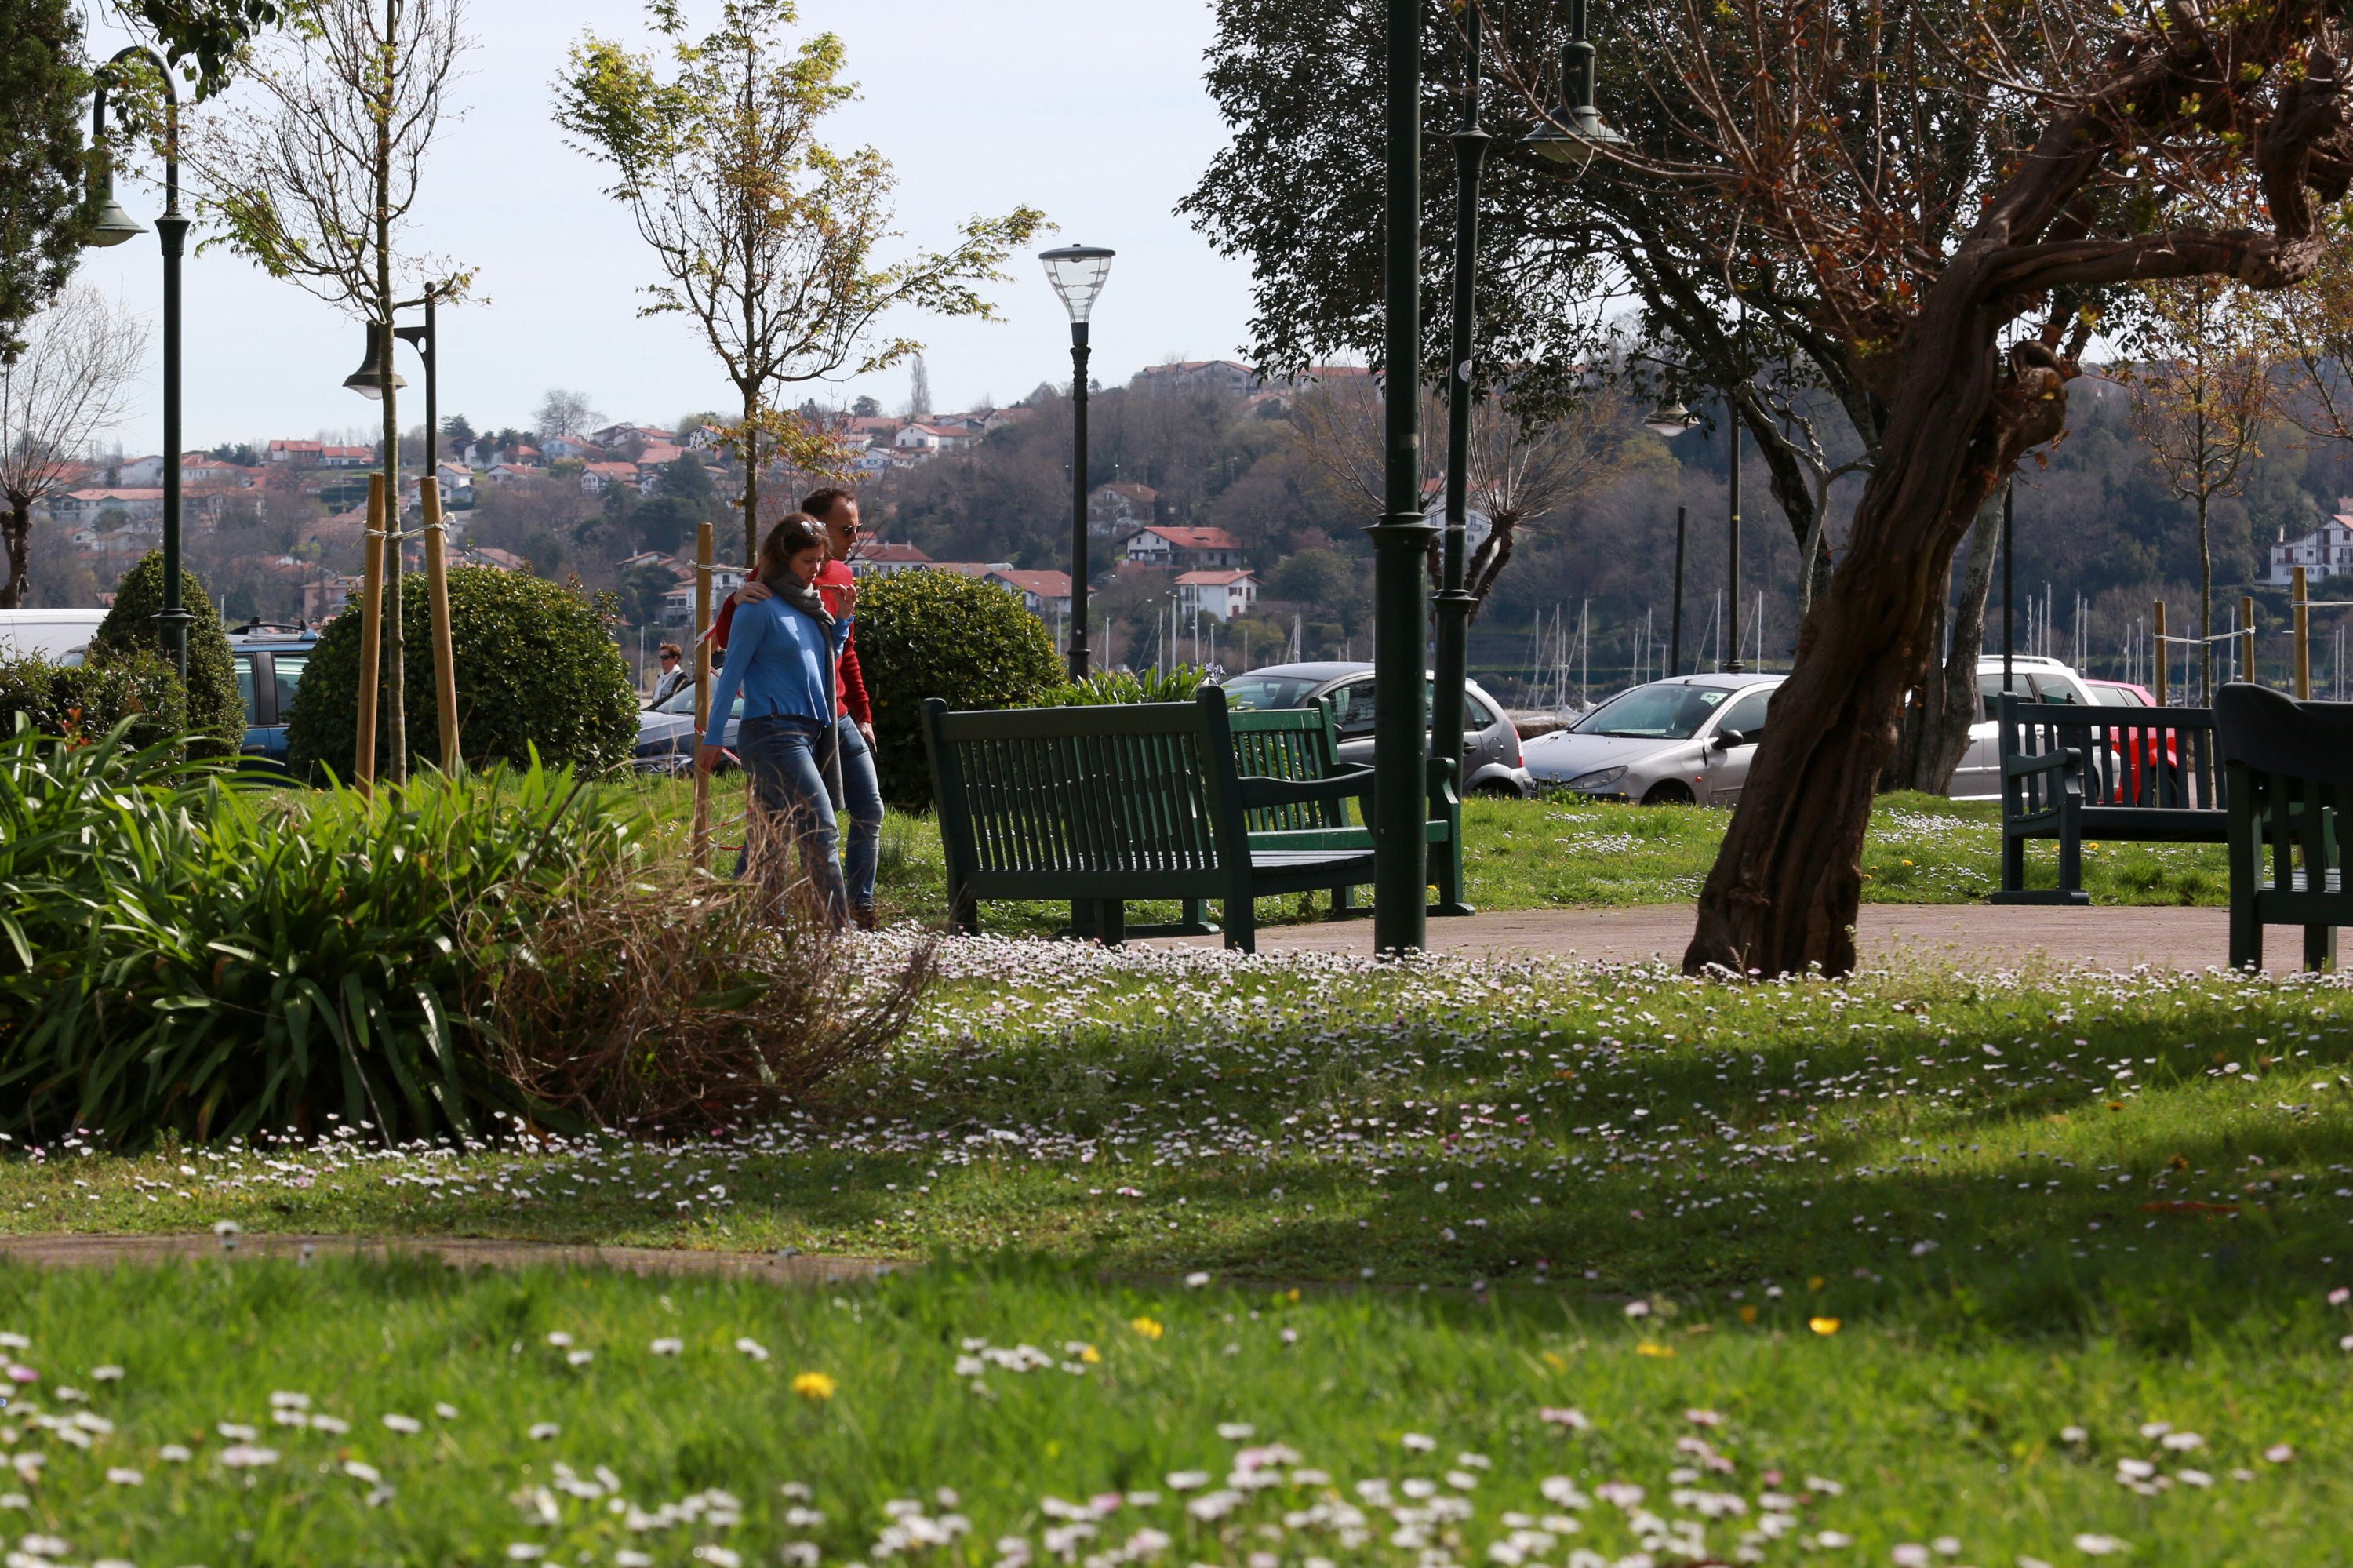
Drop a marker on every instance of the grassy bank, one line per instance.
(2038, 1263)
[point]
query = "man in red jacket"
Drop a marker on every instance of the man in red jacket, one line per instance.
(854, 724)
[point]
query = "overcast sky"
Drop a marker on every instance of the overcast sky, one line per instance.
(1094, 114)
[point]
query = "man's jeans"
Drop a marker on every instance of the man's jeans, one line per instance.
(862, 797)
(788, 788)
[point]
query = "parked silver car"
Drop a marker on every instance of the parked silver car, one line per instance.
(1492, 764)
(1684, 741)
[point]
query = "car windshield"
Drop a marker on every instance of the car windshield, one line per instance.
(1253, 691)
(682, 702)
(1662, 711)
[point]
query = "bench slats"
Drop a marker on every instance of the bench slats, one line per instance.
(2072, 772)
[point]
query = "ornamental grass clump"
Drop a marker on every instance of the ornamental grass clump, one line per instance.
(180, 953)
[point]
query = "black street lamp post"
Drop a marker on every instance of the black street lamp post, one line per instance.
(1451, 667)
(1401, 537)
(1077, 274)
(114, 226)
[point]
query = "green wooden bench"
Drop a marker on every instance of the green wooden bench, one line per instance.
(2074, 773)
(2290, 766)
(1106, 804)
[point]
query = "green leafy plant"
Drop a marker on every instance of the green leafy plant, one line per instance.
(216, 709)
(937, 634)
(79, 700)
(1176, 685)
(537, 673)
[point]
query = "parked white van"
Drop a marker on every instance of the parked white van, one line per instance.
(58, 636)
(2036, 679)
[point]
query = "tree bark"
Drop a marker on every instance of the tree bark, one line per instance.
(2205, 603)
(750, 483)
(1934, 734)
(18, 529)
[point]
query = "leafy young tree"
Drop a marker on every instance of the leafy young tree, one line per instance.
(65, 383)
(315, 178)
(2201, 394)
(765, 236)
(47, 203)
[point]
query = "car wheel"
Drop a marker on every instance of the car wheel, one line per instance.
(1668, 792)
(1495, 790)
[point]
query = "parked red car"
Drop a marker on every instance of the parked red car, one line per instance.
(2140, 744)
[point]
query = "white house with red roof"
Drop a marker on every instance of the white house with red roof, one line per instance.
(1046, 594)
(1187, 549)
(1222, 594)
(2326, 552)
(596, 476)
(876, 558)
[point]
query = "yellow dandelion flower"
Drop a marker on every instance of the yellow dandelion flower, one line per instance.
(1555, 1361)
(1648, 1347)
(1146, 1327)
(1825, 1327)
(1748, 1314)
(1816, 1283)
(1089, 1354)
(814, 1386)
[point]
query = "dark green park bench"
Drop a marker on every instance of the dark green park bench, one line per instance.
(2074, 773)
(2290, 766)
(1104, 805)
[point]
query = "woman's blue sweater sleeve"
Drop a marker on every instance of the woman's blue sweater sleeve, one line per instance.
(745, 639)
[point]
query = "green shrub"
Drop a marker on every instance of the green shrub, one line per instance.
(180, 953)
(216, 709)
(937, 634)
(535, 669)
(1177, 685)
(67, 700)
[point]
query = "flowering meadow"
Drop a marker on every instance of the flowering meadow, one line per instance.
(1281, 1260)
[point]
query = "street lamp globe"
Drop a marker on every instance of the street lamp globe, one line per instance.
(368, 379)
(1670, 419)
(1574, 132)
(1077, 273)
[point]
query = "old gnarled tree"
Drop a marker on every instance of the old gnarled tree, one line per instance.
(2105, 134)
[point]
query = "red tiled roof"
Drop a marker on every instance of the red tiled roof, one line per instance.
(1045, 585)
(1216, 579)
(1197, 538)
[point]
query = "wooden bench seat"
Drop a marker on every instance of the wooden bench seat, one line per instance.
(2079, 774)
(1103, 805)
(2290, 771)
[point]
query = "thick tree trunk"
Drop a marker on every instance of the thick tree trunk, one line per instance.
(19, 528)
(1785, 888)
(1935, 732)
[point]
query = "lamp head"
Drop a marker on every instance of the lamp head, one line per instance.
(1577, 130)
(114, 225)
(1670, 419)
(368, 379)
(1077, 273)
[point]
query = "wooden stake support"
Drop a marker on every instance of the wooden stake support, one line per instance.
(701, 692)
(444, 659)
(2303, 639)
(2247, 640)
(370, 633)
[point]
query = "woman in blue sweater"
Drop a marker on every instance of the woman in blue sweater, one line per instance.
(780, 656)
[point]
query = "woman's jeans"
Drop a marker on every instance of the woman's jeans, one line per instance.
(788, 786)
(863, 798)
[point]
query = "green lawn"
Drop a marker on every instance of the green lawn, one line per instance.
(1903, 1234)
(1554, 853)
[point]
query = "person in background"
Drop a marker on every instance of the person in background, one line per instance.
(674, 674)
(781, 653)
(861, 790)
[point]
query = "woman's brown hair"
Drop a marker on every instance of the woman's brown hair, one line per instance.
(788, 539)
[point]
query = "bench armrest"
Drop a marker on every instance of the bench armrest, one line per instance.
(2048, 762)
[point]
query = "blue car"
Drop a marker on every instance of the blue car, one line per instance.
(270, 663)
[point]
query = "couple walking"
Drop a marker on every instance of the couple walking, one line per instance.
(805, 737)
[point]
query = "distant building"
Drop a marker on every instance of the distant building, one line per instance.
(327, 597)
(1046, 594)
(930, 439)
(677, 605)
(1202, 375)
(140, 471)
(2326, 552)
(1187, 549)
(497, 560)
(559, 448)
(1114, 509)
(1222, 594)
(596, 476)
(136, 501)
(875, 558)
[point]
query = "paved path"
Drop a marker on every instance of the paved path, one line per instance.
(1980, 936)
(106, 1251)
